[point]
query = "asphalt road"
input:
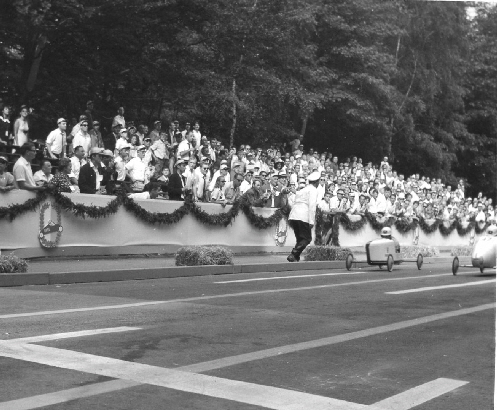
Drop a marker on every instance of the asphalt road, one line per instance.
(365, 339)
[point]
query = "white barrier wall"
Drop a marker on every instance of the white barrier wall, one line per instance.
(122, 232)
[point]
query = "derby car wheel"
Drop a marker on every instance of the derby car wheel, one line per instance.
(419, 261)
(482, 269)
(348, 261)
(390, 263)
(455, 265)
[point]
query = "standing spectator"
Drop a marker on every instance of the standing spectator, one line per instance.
(171, 132)
(5, 126)
(44, 175)
(82, 137)
(255, 196)
(89, 114)
(142, 133)
(77, 161)
(177, 182)
(247, 183)
(108, 171)
(155, 133)
(21, 127)
(119, 118)
(303, 216)
(160, 153)
(232, 190)
(200, 183)
(136, 170)
(123, 140)
(23, 174)
(196, 133)
(56, 140)
(120, 162)
(7, 181)
(185, 148)
(187, 130)
(96, 136)
(111, 139)
(90, 175)
(294, 145)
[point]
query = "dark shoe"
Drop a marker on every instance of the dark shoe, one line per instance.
(291, 258)
(297, 258)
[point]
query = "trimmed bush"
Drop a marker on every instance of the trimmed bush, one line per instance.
(412, 251)
(326, 253)
(461, 251)
(13, 264)
(203, 255)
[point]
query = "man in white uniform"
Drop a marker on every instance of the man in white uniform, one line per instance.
(303, 216)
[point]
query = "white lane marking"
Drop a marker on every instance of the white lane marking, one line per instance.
(276, 351)
(67, 335)
(227, 295)
(458, 285)
(418, 395)
(293, 277)
(250, 393)
(63, 396)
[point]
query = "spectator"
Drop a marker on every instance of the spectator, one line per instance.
(155, 133)
(185, 148)
(324, 204)
(111, 139)
(90, 175)
(247, 183)
(480, 213)
(96, 136)
(142, 133)
(21, 127)
(232, 190)
(61, 181)
(136, 170)
(197, 136)
(119, 118)
(89, 115)
(218, 193)
(164, 180)
(7, 181)
(5, 126)
(254, 195)
(56, 140)
(120, 162)
(82, 137)
(44, 175)
(23, 174)
(177, 188)
(160, 153)
(122, 141)
(201, 183)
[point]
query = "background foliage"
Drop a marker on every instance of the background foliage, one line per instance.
(416, 81)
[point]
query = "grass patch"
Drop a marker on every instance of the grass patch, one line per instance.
(412, 251)
(461, 251)
(13, 264)
(203, 255)
(326, 253)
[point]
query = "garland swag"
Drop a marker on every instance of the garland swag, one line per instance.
(226, 218)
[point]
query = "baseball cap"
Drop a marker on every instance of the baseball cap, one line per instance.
(61, 120)
(3, 159)
(107, 153)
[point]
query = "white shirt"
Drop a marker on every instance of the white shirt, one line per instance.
(245, 186)
(57, 141)
(40, 176)
(381, 203)
(304, 208)
(76, 166)
(216, 175)
(183, 146)
(198, 137)
(136, 169)
(140, 195)
(121, 171)
(84, 140)
(120, 143)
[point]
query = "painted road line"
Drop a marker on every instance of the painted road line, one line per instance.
(418, 395)
(293, 277)
(243, 392)
(200, 298)
(458, 285)
(64, 396)
(67, 335)
(327, 341)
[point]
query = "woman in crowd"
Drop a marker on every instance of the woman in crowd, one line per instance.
(61, 181)
(7, 181)
(21, 127)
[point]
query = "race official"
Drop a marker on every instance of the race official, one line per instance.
(303, 215)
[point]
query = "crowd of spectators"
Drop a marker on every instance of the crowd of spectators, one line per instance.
(180, 162)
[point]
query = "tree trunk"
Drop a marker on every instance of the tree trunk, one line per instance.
(233, 112)
(304, 125)
(35, 64)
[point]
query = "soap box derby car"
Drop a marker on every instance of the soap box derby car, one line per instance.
(484, 252)
(383, 251)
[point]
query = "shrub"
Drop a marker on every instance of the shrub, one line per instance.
(203, 255)
(412, 251)
(326, 253)
(461, 251)
(13, 264)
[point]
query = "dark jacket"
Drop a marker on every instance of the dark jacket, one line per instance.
(175, 186)
(254, 197)
(88, 179)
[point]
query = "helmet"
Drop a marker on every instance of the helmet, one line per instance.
(386, 232)
(492, 230)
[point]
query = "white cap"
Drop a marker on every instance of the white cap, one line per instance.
(314, 176)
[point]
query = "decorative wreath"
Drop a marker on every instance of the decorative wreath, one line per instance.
(43, 240)
(281, 234)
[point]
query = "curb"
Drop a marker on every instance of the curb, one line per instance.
(45, 278)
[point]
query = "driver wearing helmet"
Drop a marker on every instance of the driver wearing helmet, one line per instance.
(386, 233)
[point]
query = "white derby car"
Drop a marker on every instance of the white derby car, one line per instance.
(381, 252)
(484, 252)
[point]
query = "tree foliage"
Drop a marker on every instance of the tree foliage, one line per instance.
(412, 80)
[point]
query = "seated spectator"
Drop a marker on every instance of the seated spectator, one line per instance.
(218, 193)
(23, 174)
(254, 195)
(122, 141)
(164, 180)
(152, 191)
(44, 175)
(232, 190)
(90, 175)
(177, 188)
(61, 180)
(7, 181)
